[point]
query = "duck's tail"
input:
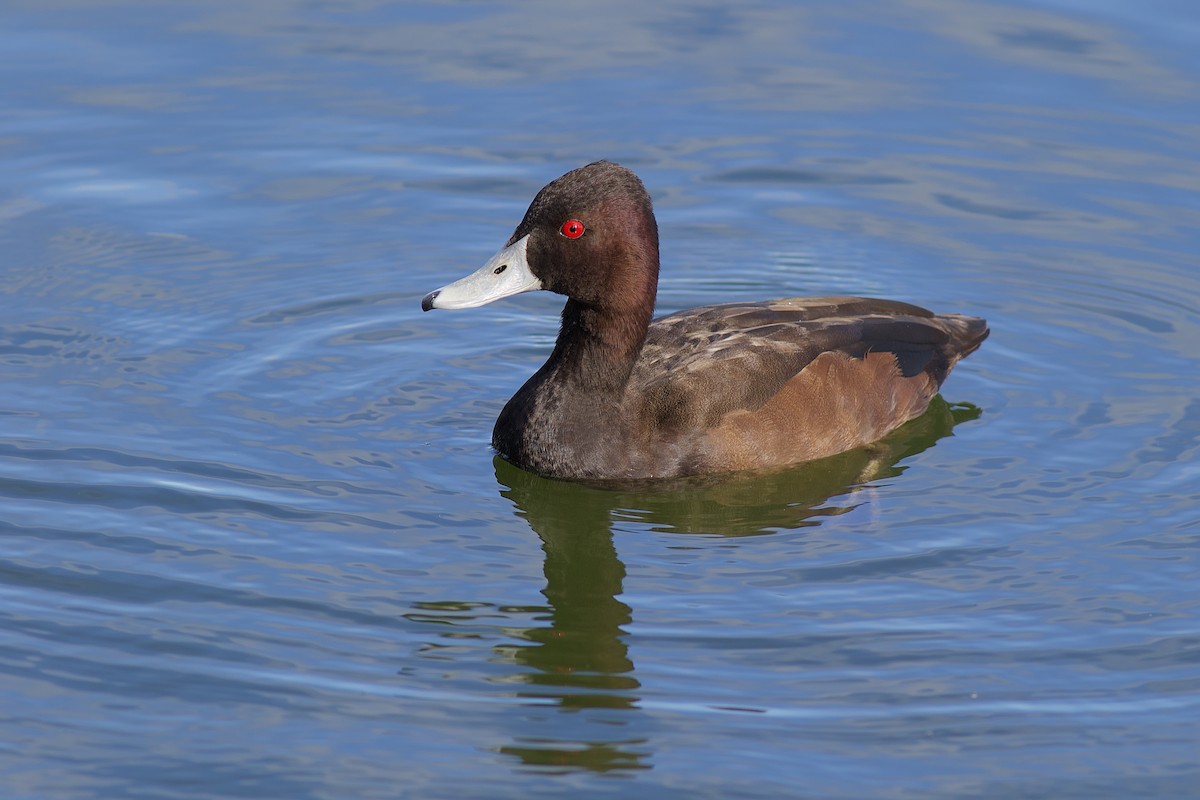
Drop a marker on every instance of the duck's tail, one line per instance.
(966, 334)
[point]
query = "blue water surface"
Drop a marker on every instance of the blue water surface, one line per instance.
(253, 539)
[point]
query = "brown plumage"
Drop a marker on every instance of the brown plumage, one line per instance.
(713, 389)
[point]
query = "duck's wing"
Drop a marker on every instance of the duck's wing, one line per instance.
(700, 365)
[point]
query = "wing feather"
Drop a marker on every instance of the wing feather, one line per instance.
(698, 366)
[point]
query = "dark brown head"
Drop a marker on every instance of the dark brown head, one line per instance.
(593, 237)
(589, 234)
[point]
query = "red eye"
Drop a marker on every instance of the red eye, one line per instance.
(572, 229)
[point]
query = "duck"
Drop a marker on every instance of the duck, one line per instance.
(723, 388)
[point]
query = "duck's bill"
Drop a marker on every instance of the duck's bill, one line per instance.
(505, 274)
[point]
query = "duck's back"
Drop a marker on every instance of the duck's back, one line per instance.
(757, 385)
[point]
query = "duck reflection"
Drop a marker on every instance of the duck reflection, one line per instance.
(581, 660)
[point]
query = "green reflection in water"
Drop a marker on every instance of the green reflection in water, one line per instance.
(581, 660)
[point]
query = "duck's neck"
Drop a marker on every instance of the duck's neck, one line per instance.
(597, 347)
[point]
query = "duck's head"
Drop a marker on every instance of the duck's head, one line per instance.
(589, 234)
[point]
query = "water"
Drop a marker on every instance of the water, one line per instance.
(254, 541)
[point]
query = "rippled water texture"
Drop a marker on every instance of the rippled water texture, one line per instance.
(253, 540)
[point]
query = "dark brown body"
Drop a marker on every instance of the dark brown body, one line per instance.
(740, 386)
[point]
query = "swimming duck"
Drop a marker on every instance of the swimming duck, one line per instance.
(722, 388)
